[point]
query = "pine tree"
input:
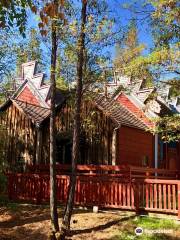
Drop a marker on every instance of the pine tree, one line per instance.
(163, 60)
(29, 50)
(128, 53)
(61, 83)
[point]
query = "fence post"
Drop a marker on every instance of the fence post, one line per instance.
(39, 189)
(136, 197)
(179, 200)
(9, 185)
(130, 174)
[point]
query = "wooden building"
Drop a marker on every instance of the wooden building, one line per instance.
(111, 133)
(146, 104)
(27, 131)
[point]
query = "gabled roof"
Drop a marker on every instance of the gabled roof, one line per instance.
(143, 94)
(33, 112)
(141, 106)
(35, 83)
(118, 113)
(33, 89)
(28, 96)
(114, 110)
(129, 103)
(36, 113)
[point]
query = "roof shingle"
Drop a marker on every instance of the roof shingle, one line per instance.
(36, 113)
(118, 113)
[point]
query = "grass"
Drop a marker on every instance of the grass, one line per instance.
(149, 226)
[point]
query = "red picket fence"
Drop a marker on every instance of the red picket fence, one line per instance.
(158, 195)
(101, 190)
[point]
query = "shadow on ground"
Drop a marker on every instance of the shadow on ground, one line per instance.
(22, 217)
(102, 226)
(20, 233)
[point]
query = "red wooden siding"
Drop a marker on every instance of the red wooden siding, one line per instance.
(133, 145)
(178, 156)
(173, 158)
(27, 96)
(124, 100)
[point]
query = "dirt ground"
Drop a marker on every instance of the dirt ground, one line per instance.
(32, 222)
(29, 222)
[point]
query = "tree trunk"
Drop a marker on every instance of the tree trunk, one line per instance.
(53, 198)
(77, 124)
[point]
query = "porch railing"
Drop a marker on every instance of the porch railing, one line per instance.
(101, 190)
(126, 171)
(141, 173)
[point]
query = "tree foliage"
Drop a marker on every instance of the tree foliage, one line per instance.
(100, 34)
(13, 54)
(162, 62)
(7, 50)
(164, 59)
(165, 20)
(129, 55)
(14, 13)
(168, 127)
(7, 62)
(29, 50)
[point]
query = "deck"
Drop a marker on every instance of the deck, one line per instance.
(122, 187)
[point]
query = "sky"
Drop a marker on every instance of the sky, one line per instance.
(123, 16)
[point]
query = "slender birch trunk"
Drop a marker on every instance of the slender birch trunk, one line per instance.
(77, 124)
(53, 197)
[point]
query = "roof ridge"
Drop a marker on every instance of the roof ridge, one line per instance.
(17, 100)
(132, 114)
(132, 119)
(37, 93)
(134, 101)
(36, 114)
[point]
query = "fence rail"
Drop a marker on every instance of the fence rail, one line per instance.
(140, 173)
(158, 195)
(101, 190)
(123, 170)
